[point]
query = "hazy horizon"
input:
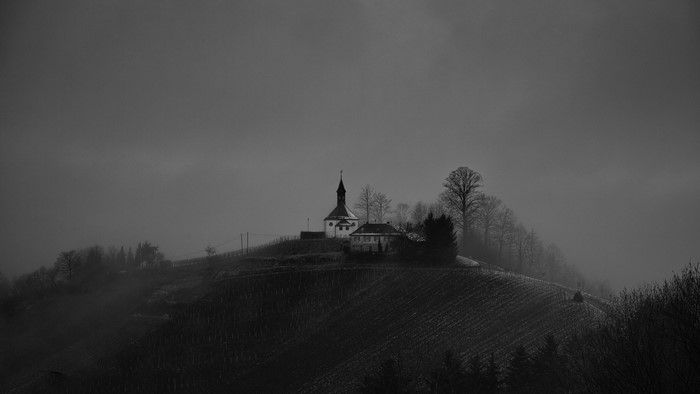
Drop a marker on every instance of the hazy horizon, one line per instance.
(186, 124)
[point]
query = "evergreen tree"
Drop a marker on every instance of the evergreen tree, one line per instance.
(130, 258)
(549, 368)
(137, 256)
(519, 371)
(492, 376)
(388, 379)
(94, 256)
(476, 374)
(121, 257)
(440, 240)
(450, 377)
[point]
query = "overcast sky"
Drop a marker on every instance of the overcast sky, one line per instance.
(188, 123)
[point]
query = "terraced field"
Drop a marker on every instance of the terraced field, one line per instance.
(320, 329)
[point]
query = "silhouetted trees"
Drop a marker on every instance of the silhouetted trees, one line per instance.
(648, 343)
(75, 270)
(387, 379)
(440, 240)
(450, 376)
(462, 198)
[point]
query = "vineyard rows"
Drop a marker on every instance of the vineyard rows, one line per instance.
(321, 330)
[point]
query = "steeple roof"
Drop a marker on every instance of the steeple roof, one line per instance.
(341, 187)
(341, 211)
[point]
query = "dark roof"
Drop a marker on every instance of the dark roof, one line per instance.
(341, 187)
(376, 228)
(344, 222)
(341, 212)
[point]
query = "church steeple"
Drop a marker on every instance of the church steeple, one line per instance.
(341, 191)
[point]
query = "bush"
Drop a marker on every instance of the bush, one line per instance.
(578, 297)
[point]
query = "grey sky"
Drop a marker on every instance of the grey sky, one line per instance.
(187, 123)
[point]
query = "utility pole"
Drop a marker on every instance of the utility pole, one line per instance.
(247, 235)
(241, 241)
(307, 224)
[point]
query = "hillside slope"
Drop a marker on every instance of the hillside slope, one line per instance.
(321, 329)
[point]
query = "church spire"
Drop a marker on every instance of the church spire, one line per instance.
(341, 190)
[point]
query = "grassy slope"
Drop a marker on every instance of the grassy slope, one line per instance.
(69, 331)
(322, 329)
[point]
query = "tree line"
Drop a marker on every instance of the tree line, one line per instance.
(488, 229)
(648, 343)
(76, 268)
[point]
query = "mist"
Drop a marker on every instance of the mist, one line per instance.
(189, 124)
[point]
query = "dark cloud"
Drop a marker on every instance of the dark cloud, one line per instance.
(189, 123)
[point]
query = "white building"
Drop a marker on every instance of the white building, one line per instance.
(341, 221)
(374, 237)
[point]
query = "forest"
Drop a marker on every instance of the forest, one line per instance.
(649, 342)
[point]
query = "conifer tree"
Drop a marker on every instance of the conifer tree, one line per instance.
(519, 371)
(492, 374)
(121, 257)
(440, 240)
(130, 258)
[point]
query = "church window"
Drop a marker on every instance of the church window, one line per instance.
(330, 224)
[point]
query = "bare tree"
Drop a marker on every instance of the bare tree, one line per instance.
(365, 203)
(401, 214)
(67, 263)
(211, 253)
(505, 221)
(486, 214)
(419, 213)
(553, 261)
(382, 207)
(461, 197)
(520, 243)
(534, 251)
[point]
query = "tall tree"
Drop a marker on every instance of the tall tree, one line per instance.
(94, 256)
(365, 203)
(401, 215)
(149, 254)
(68, 262)
(121, 257)
(520, 238)
(130, 258)
(504, 227)
(450, 376)
(486, 214)
(382, 207)
(461, 197)
(519, 371)
(440, 241)
(492, 376)
(419, 213)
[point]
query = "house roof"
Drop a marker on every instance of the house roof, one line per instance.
(344, 222)
(376, 229)
(341, 211)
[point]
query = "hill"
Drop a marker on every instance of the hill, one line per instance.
(321, 328)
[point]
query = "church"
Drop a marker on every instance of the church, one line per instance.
(341, 221)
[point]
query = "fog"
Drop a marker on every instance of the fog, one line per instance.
(188, 123)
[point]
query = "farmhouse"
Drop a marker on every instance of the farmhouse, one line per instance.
(341, 221)
(374, 237)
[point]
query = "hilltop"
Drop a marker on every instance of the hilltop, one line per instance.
(321, 328)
